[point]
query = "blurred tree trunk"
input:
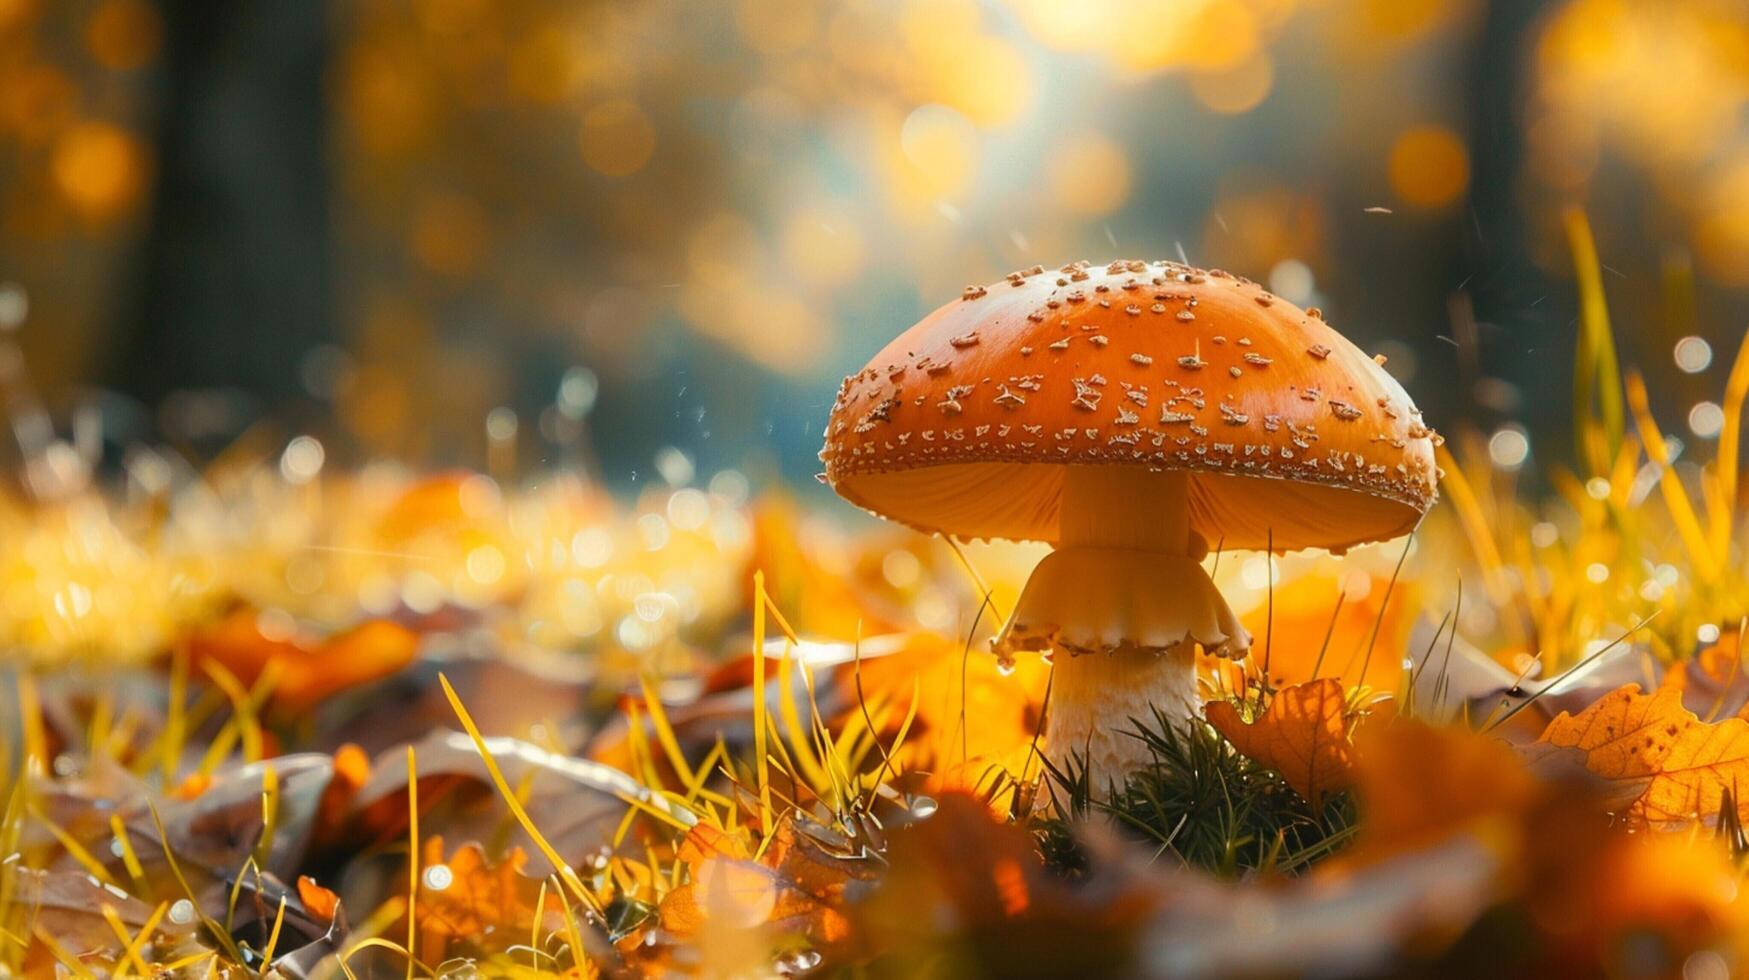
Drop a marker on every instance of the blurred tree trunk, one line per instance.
(235, 280)
(1517, 310)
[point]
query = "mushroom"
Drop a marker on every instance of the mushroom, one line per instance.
(1042, 408)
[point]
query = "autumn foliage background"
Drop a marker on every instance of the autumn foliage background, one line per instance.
(410, 560)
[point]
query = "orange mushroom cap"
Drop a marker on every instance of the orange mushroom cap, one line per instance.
(1290, 434)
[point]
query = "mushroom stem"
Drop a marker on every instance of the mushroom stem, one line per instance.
(1098, 700)
(1124, 507)
(1123, 602)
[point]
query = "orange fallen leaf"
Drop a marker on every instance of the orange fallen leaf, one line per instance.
(373, 649)
(795, 883)
(309, 671)
(1303, 611)
(821, 600)
(1713, 683)
(191, 786)
(477, 897)
(1417, 784)
(968, 707)
(351, 772)
(1303, 734)
(1688, 764)
(1685, 891)
(320, 902)
(444, 501)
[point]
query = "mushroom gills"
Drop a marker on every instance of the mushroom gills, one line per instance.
(1124, 596)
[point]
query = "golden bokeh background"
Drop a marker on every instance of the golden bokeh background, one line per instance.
(436, 227)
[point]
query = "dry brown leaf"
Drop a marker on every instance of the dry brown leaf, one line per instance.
(1302, 734)
(1688, 764)
(969, 885)
(576, 803)
(68, 905)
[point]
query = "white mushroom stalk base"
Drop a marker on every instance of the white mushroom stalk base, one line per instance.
(1097, 702)
(1122, 602)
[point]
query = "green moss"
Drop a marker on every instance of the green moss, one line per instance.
(1200, 802)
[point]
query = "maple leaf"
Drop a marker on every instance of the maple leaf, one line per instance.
(1303, 734)
(474, 897)
(1687, 764)
(795, 883)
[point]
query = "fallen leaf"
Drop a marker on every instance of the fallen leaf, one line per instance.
(794, 883)
(309, 670)
(1686, 891)
(1417, 784)
(575, 803)
(219, 828)
(820, 598)
(373, 649)
(1452, 677)
(1713, 682)
(212, 834)
(1466, 864)
(1625, 734)
(68, 905)
(478, 897)
(968, 706)
(321, 902)
(1689, 764)
(509, 690)
(1302, 734)
(1303, 610)
(1379, 920)
(441, 503)
(967, 888)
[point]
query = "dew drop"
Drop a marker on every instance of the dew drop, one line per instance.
(797, 963)
(438, 877)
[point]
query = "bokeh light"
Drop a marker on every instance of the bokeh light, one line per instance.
(1693, 355)
(1089, 174)
(694, 199)
(1508, 448)
(1706, 419)
(1428, 166)
(617, 138)
(100, 169)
